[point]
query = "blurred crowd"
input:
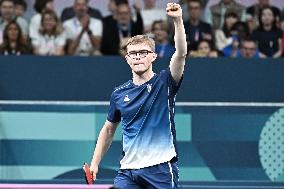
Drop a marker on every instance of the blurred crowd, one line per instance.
(227, 28)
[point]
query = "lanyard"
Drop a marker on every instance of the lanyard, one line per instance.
(120, 30)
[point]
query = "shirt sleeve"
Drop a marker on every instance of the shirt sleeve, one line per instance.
(173, 85)
(114, 114)
(67, 30)
(61, 39)
(96, 27)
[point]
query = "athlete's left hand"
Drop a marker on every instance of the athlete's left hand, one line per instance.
(174, 10)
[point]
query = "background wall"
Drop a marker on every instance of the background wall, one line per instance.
(48, 142)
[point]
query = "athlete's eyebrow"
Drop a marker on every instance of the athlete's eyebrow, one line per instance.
(140, 51)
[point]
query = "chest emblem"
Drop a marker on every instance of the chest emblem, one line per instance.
(126, 98)
(149, 88)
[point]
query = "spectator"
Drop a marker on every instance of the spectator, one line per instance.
(205, 49)
(183, 4)
(254, 10)
(122, 28)
(267, 35)
(196, 29)
(163, 48)
(248, 49)
(51, 39)
(7, 12)
(20, 7)
(251, 23)
(83, 32)
(69, 13)
(111, 8)
(239, 31)
(216, 15)
(13, 40)
(223, 37)
(150, 13)
(112, 5)
(39, 6)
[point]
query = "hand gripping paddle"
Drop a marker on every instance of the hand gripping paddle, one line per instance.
(88, 174)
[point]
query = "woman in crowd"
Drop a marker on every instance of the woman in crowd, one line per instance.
(39, 6)
(13, 41)
(205, 49)
(267, 35)
(160, 31)
(223, 37)
(51, 39)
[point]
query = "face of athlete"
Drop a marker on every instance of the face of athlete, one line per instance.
(140, 58)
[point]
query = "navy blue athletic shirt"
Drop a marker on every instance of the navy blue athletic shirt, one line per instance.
(146, 113)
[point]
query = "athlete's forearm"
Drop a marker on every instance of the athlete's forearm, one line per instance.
(178, 59)
(180, 38)
(103, 143)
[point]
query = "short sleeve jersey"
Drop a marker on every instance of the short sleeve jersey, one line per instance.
(146, 113)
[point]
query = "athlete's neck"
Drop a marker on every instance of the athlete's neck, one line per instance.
(141, 79)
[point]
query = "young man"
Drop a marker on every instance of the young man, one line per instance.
(145, 107)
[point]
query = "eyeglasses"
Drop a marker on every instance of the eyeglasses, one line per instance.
(141, 53)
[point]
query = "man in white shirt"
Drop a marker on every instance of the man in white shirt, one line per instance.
(83, 32)
(150, 13)
(7, 12)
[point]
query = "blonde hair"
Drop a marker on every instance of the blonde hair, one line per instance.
(138, 39)
(57, 29)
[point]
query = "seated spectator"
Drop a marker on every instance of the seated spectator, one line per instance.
(150, 13)
(251, 23)
(239, 31)
(205, 50)
(13, 41)
(112, 5)
(223, 37)
(183, 4)
(254, 10)
(51, 39)
(196, 29)
(248, 49)
(69, 13)
(20, 7)
(216, 15)
(267, 35)
(162, 46)
(120, 29)
(83, 32)
(39, 6)
(7, 12)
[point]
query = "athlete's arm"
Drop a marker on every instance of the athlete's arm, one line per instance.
(103, 143)
(178, 59)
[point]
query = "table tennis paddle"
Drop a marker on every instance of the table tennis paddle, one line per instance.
(88, 174)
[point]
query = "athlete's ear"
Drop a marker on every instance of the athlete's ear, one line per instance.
(154, 57)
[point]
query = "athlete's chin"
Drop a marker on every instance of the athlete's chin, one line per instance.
(139, 71)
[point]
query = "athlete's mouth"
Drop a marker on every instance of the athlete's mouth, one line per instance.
(138, 63)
